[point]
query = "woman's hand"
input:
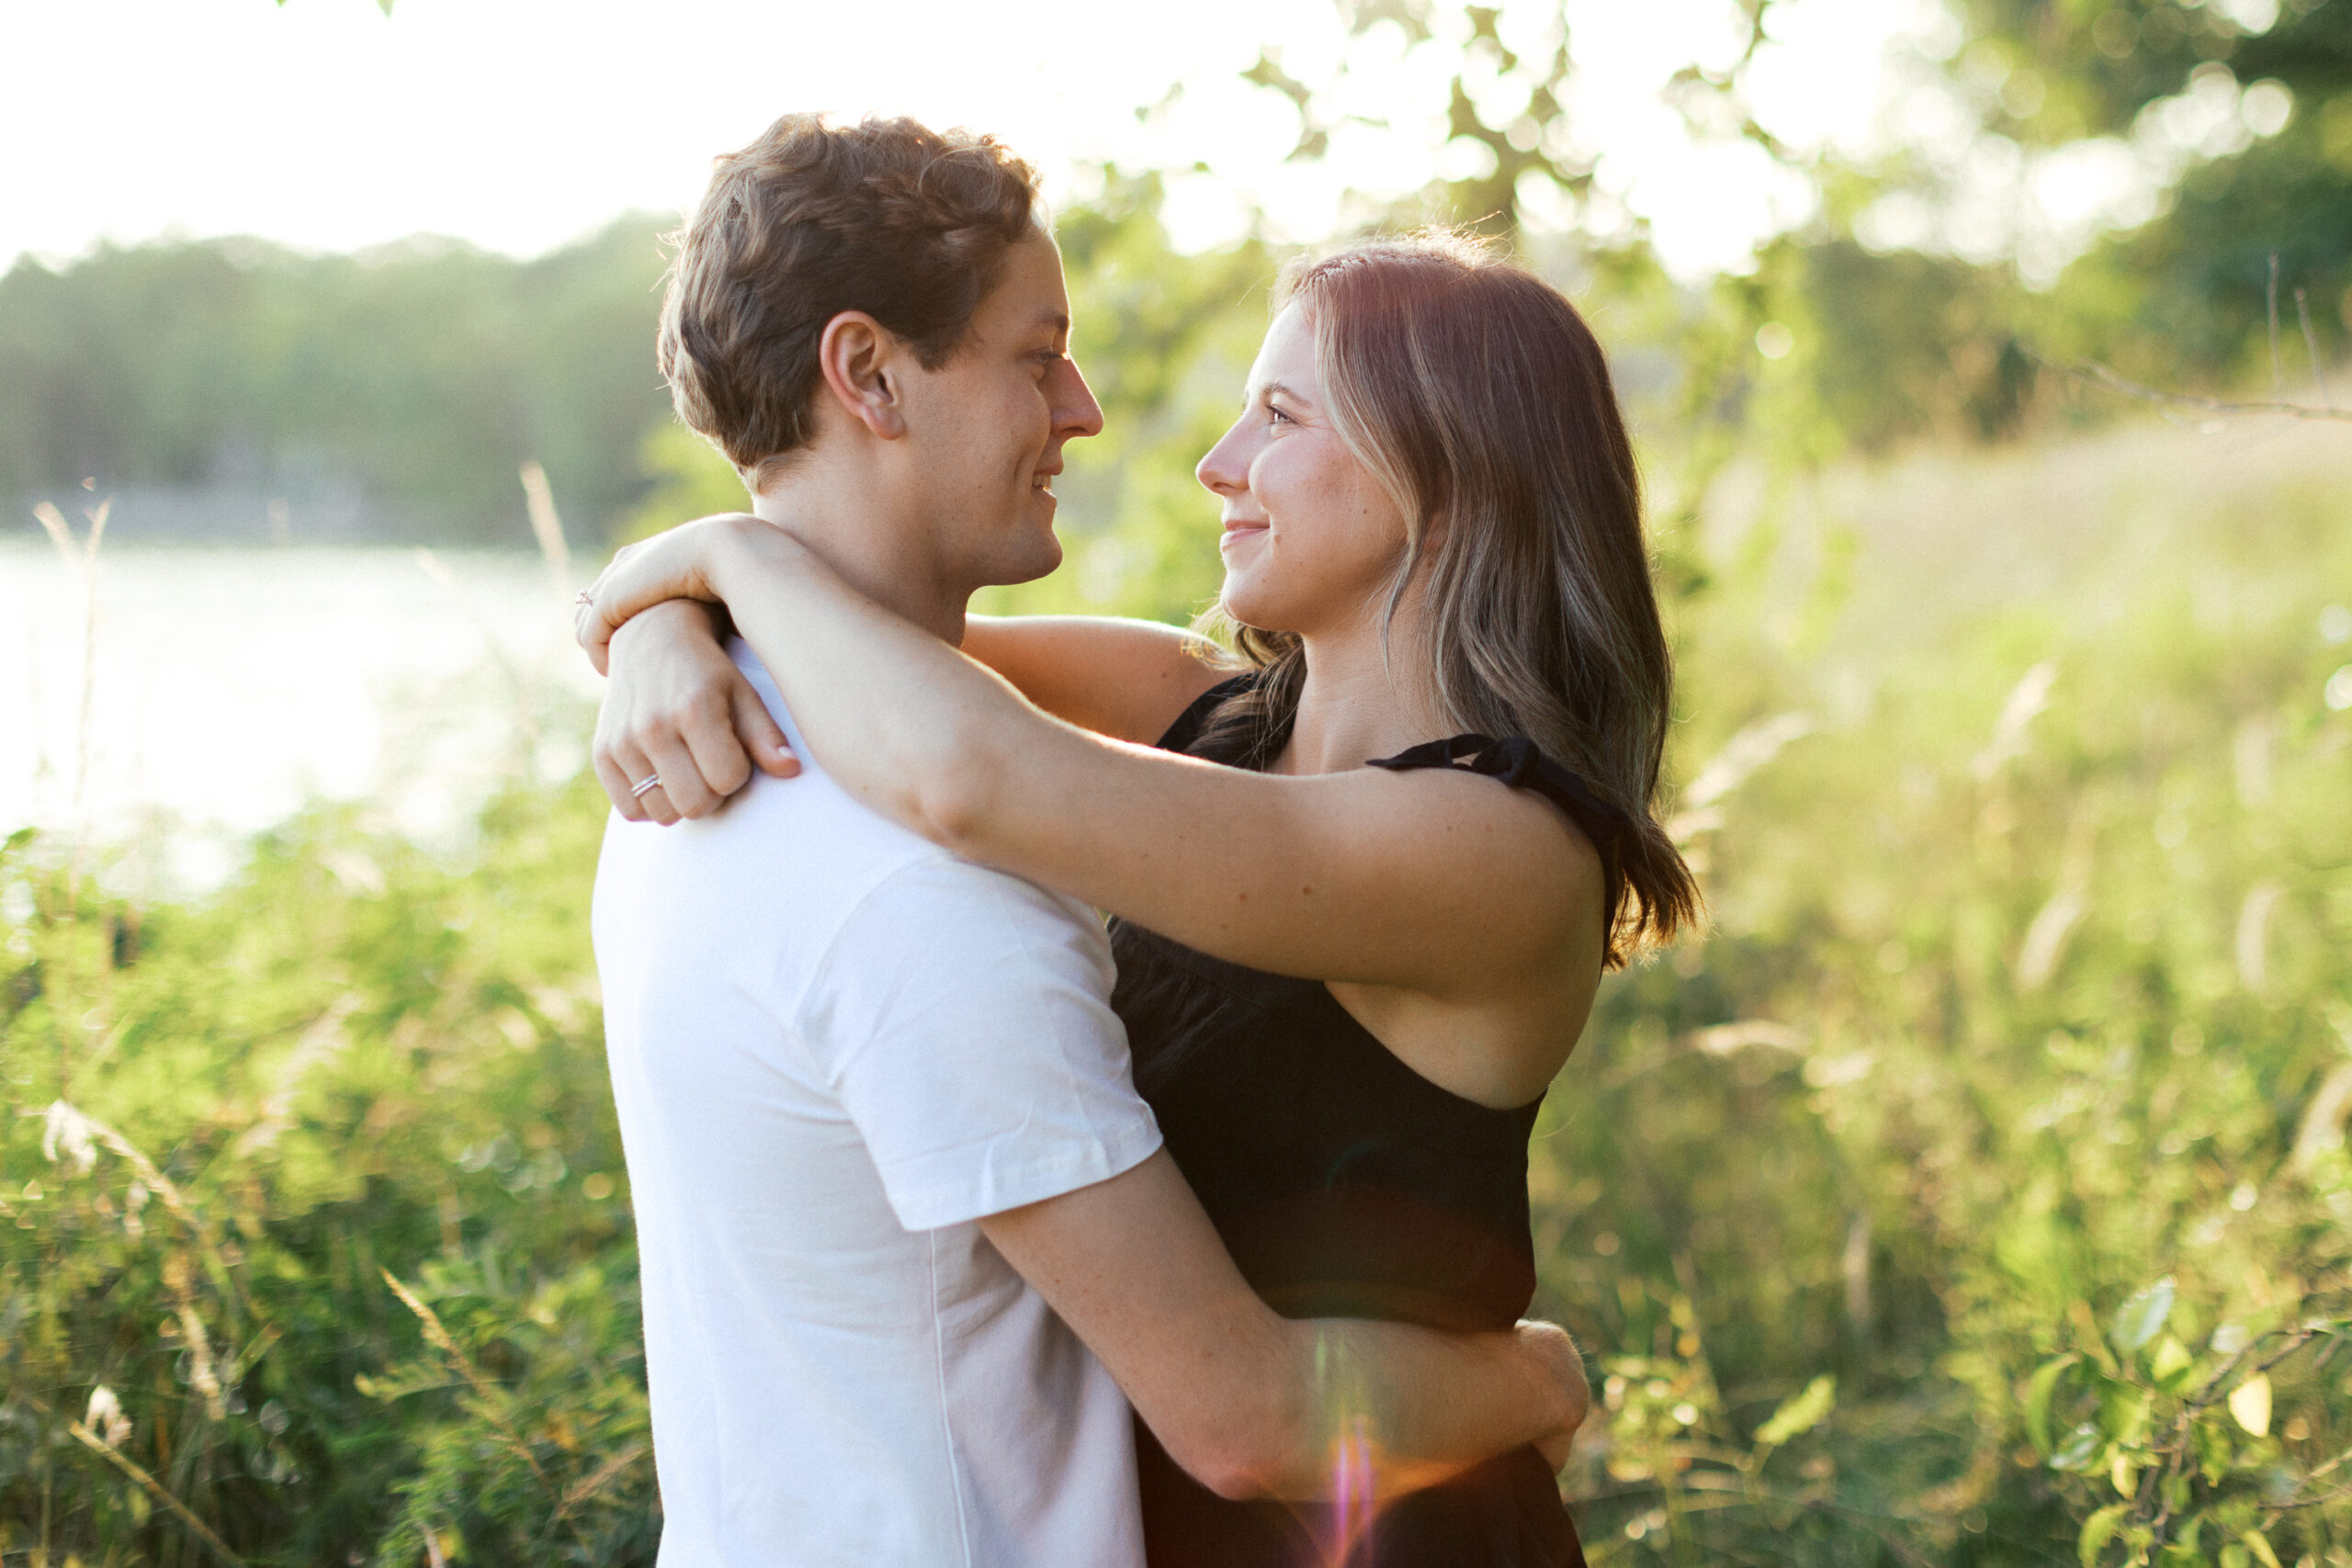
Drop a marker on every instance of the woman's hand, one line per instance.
(679, 564)
(680, 711)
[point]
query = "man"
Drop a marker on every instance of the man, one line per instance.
(905, 1231)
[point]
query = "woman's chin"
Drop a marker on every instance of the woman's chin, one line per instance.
(1257, 610)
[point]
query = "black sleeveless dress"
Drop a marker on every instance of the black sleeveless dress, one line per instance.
(1345, 1185)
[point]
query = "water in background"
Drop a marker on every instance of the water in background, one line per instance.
(232, 686)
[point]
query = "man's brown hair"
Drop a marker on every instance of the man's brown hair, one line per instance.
(888, 216)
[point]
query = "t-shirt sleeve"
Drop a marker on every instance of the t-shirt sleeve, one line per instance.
(963, 1018)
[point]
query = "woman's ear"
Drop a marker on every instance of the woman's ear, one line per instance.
(859, 359)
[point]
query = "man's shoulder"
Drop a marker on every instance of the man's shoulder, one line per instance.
(784, 856)
(803, 855)
(880, 857)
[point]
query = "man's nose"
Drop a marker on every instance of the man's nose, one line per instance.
(1075, 412)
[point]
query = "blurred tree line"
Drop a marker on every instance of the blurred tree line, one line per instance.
(425, 372)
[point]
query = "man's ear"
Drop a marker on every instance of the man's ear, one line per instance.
(861, 360)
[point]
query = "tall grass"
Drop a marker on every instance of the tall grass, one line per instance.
(1974, 1192)
(2009, 1089)
(81, 560)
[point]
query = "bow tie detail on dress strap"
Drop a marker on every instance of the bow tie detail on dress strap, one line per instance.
(1516, 760)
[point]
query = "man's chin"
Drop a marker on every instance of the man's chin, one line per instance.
(1036, 556)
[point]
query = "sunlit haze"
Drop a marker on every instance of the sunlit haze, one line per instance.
(520, 124)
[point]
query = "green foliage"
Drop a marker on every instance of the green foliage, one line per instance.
(689, 477)
(1800, 1413)
(2195, 290)
(2096, 65)
(230, 1122)
(2009, 1088)
(1902, 346)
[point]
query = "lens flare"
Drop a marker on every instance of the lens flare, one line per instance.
(1354, 1499)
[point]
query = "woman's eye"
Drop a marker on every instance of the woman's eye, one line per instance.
(1278, 416)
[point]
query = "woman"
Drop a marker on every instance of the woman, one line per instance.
(1347, 984)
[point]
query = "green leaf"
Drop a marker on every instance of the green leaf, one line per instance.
(416, 1377)
(2038, 1393)
(2250, 1404)
(2080, 1451)
(2216, 1455)
(2123, 1411)
(2170, 1364)
(2143, 1316)
(2259, 1544)
(1800, 1413)
(2235, 1556)
(2097, 1530)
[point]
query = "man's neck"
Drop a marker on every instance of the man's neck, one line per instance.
(882, 549)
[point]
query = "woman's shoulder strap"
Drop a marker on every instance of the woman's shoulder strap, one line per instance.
(1517, 762)
(1195, 718)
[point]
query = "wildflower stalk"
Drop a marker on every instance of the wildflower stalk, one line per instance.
(156, 1489)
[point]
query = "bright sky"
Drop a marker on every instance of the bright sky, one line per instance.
(520, 124)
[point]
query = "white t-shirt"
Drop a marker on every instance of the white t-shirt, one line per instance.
(834, 1046)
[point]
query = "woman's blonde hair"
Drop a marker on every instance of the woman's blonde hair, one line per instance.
(1477, 398)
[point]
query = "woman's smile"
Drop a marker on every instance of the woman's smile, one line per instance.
(1236, 531)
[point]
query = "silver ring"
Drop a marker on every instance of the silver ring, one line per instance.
(650, 781)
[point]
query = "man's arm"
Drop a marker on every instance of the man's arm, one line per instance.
(1255, 1405)
(964, 1019)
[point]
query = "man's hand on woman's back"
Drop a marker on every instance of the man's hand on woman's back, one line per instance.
(1245, 1400)
(1559, 1355)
